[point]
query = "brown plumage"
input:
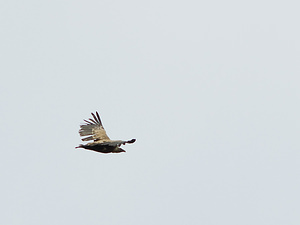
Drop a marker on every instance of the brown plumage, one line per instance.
(93, 130)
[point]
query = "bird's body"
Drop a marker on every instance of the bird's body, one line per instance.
(93, 130)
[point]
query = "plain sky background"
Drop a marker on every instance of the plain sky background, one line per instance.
(210, 90)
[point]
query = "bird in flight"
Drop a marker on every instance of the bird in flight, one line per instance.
(93, 130)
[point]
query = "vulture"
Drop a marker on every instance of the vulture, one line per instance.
(93, 130)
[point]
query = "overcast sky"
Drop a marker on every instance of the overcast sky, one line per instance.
(210, 90)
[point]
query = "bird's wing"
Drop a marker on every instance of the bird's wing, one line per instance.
(118, 142)
(93, 129)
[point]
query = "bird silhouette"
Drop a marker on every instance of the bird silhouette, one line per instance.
(94, 130)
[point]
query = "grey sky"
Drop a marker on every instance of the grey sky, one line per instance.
(210, 90)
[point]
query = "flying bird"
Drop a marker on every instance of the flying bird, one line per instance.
(94, 130)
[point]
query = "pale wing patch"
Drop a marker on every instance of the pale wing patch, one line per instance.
(93, 130)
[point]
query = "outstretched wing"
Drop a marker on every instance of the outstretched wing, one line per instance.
(93, 130)
(118, 142)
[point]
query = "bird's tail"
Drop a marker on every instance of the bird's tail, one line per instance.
(80, 146)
